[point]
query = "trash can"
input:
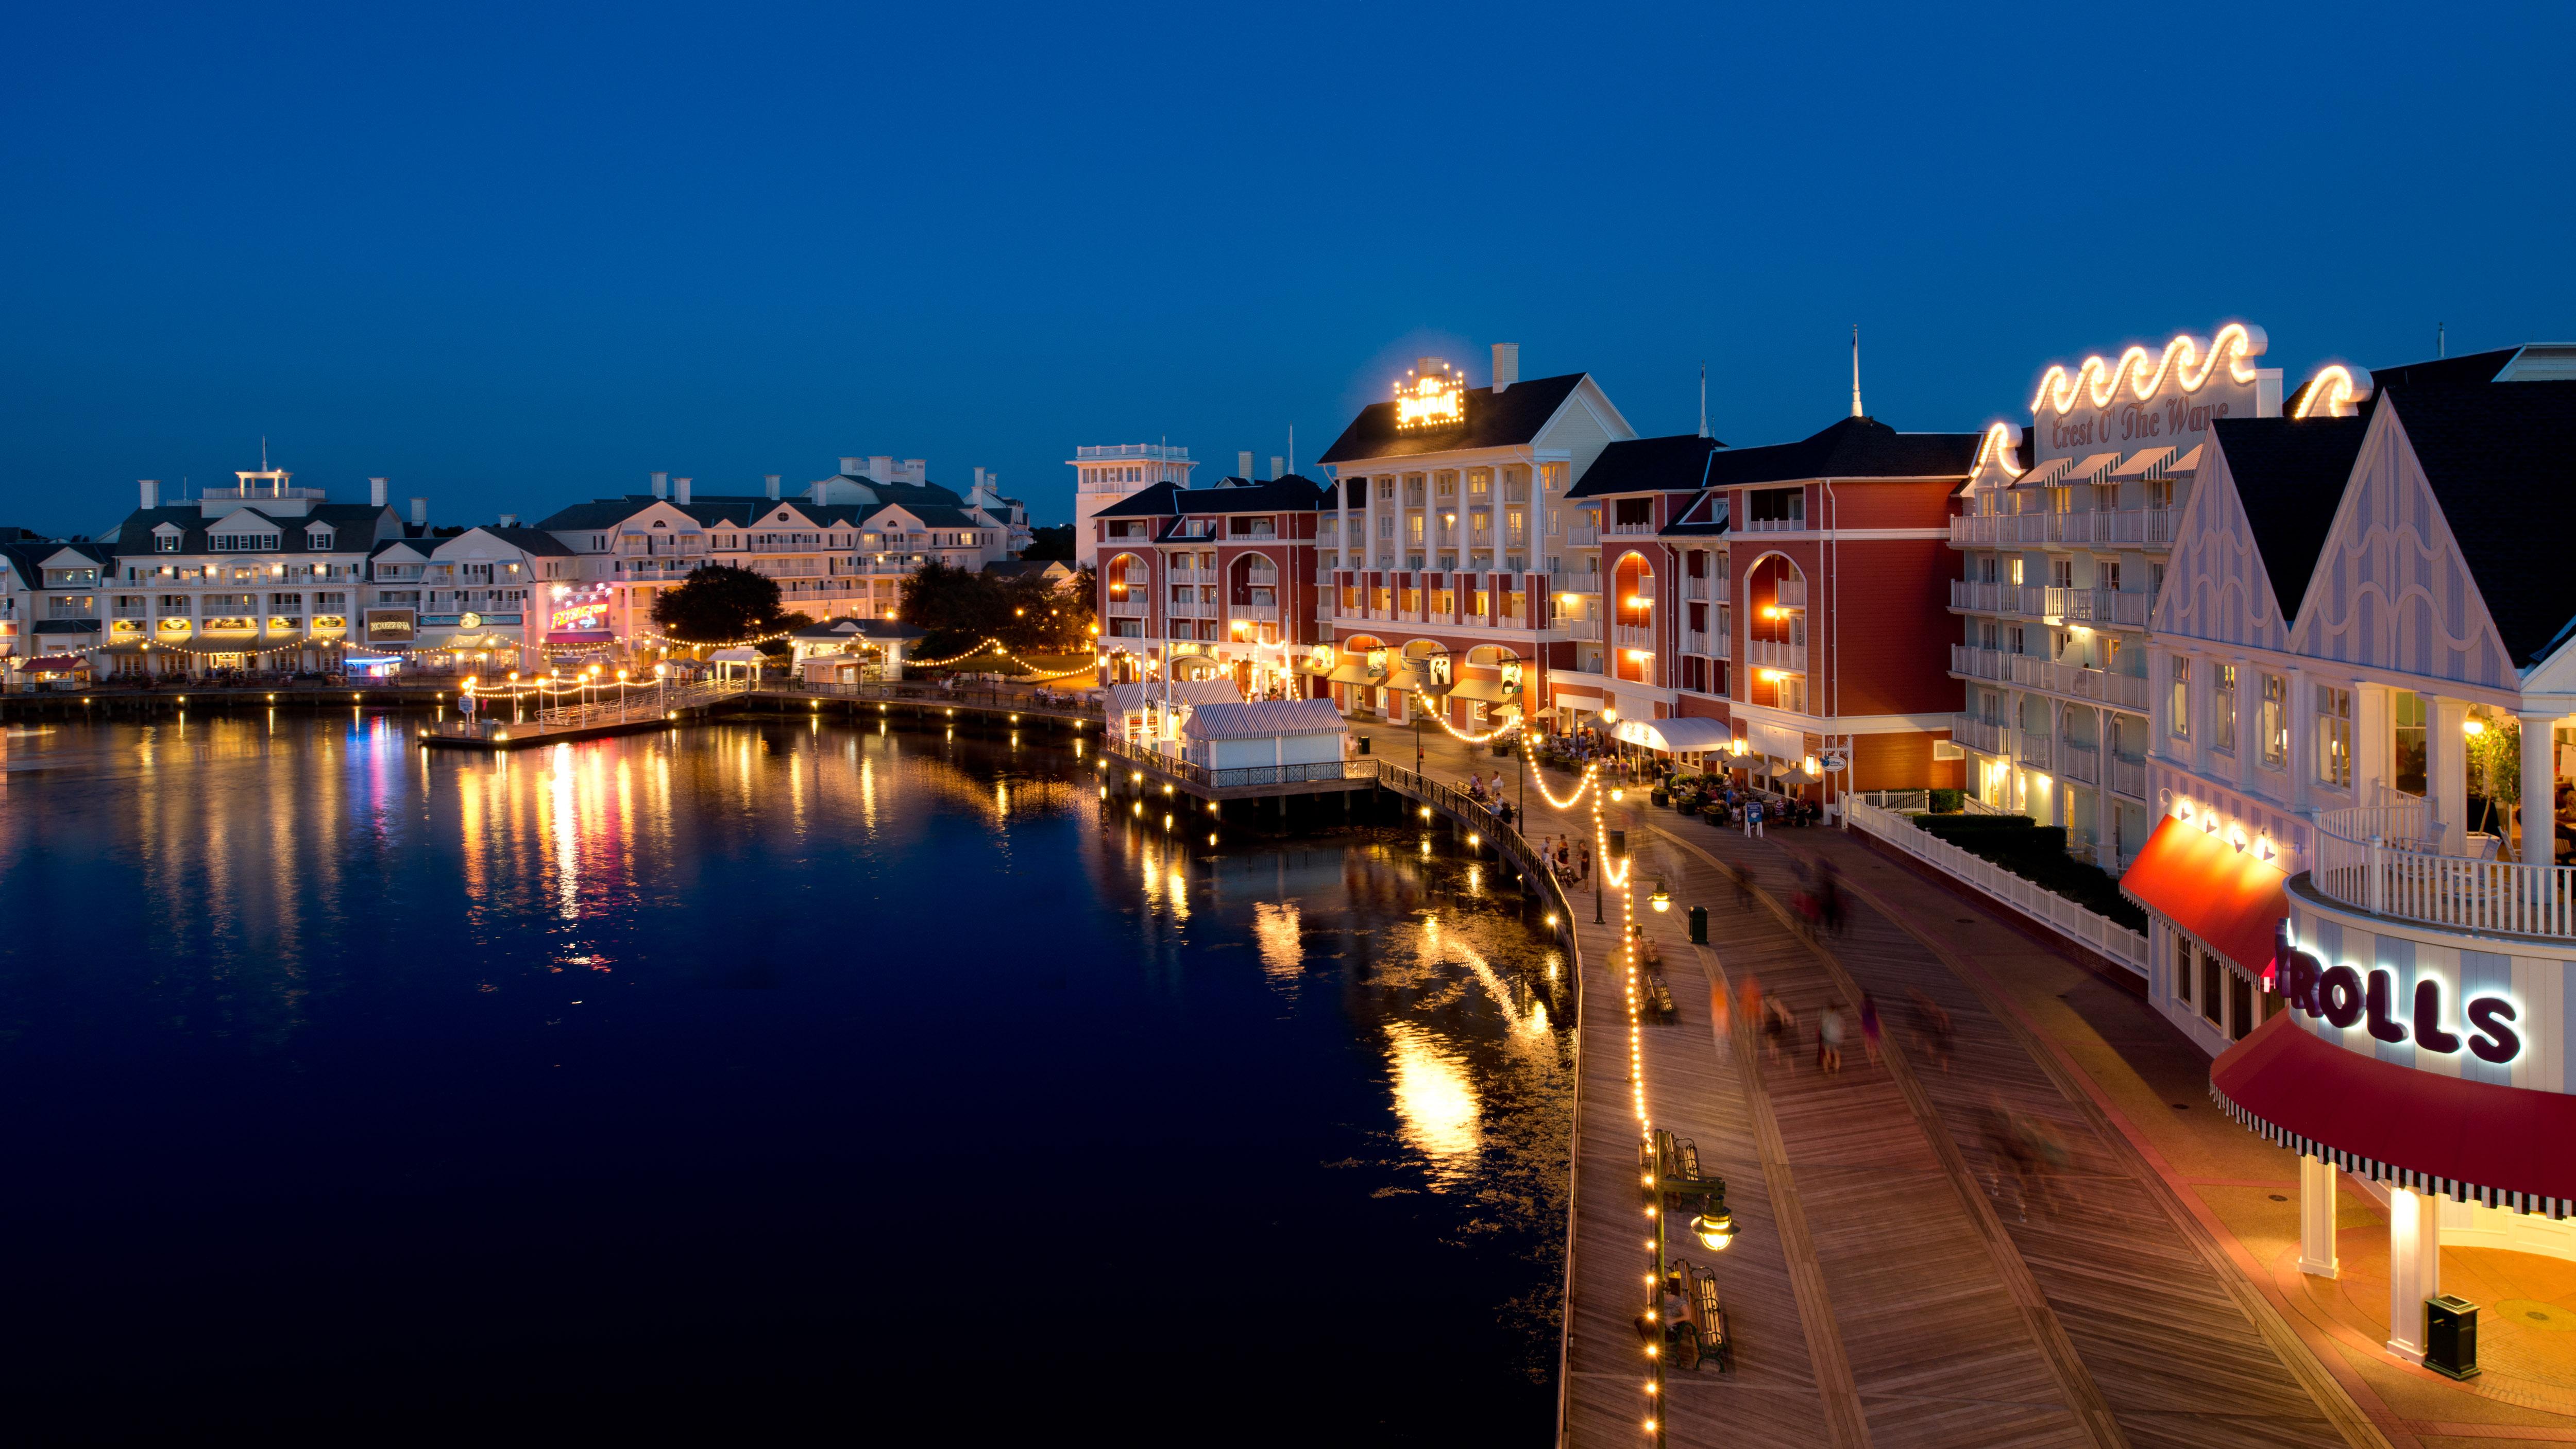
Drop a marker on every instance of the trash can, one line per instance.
(1364, 744)
(1699, 925)
(1618, 844)
(2451, 1336)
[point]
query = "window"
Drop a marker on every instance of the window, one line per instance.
(2183, 971)
(2061, 500)
(2178, 703)
(174, 603)
(2211, 975)
(2240, 1006)
(2334, 736)
(1386, 490)
(243, 542)
(1776, 505)
(1990, 569)
(2222, 708)
(2013, 568)
(2406, 730)
(2155, 579)
(2061, 573)
(2274, 722)
(165, 542)
(2106, 574)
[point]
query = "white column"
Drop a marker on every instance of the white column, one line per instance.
(2446, 768)
(2317, 1216)
(2539, 788)
(2414, 1268)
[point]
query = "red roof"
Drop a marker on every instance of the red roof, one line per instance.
(2502, 1146)
(58, 661)
(2226, 898)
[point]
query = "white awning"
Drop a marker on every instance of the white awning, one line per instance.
(2188, 462)
(2094, 466)
(2141, 463)
(1677, 735)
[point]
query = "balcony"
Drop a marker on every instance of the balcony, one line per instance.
(1632, 530)
(1694, 589)
(2129, 777)
(1978, 597)
(1991, 736)
(2032, 750)
(2121, 691)
(1633, 636)
(1785, 654)
(1126, 608)
(2144, 527)
(1254, 613)
(1790, 594)
(1976, 663)
(2081, 763)
(1581, 536)
(2103, 607)
(2379, 859)
(1772, 525)
(1586, 631)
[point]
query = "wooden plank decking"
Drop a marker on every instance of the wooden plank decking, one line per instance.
(1894, 1282)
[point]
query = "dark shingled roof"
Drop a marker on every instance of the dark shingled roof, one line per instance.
(534, 541)
(1493, 421)
(2502, 462)
(2290, 478)
(1291, 494)
(1851, 448)
(354, 527)
(1649, 465)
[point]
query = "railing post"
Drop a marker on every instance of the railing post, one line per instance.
(2375, 888)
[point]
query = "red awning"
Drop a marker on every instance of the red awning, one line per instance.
(2472, 1141)
(2221, 896)
(51, 662)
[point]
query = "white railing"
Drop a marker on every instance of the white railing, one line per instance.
(1257, 613)
(1630, 529)
(2377, 858)
(1772, 525)
(1586, 630)
(2105, 606)
(2100, 933)
(1694, 588)
(1721, 645)
(1695, 641)
(1992, 736)
(2129, 777)
(2034, 672)
(1985, 598)
(1977, 663)
(2081, 763)
(1582, 537)
(1776, 654)
(1633, 636)
(1789, 594)
(2126, 525)
(2033, 750)
(1126, 608)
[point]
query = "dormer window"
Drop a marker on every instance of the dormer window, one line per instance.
(165, 543)
(317, 538)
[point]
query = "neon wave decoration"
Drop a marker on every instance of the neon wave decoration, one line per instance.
(2182, 358)
(2338, 387)
(1998, 450)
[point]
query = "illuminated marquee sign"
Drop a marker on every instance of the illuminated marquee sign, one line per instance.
(1432, 396)
(2345, 997)
(2144, 399)
(584, 616)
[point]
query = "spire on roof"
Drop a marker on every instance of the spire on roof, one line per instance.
(1703, 397)
(1856, 412)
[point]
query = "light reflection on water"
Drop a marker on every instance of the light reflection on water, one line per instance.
(745, 954)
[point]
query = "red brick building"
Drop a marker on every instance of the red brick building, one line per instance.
(1211, 581)
(1780, 603)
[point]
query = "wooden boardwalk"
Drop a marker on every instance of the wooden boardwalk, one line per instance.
(1895, 1281)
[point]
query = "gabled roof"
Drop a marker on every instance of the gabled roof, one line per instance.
(850, 628)
(1677, 464)
(2502, 461)
(353, 527)
(28, 558)
(1291, 494)
(2290, 476)
(1509, 419)
(535, 542)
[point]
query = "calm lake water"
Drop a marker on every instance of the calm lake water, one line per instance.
(747, 1080)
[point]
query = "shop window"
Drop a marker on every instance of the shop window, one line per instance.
(2334, 736)
(2182, 968)
(2406, 740)
(2211, 974)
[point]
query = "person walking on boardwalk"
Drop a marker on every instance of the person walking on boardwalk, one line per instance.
(1869, 1027)
(1934, 1023)
(1779, 1030)
(1829, 1040)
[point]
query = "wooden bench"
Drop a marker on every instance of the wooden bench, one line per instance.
(1659, 1000)
(1676, 1166)
(1699, 1335)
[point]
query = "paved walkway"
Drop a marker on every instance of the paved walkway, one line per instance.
(1897, 1281)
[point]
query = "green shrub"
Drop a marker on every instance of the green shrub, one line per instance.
(1947, 802)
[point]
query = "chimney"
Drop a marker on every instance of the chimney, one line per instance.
(420, 512)
(770, 481)
(509, 520)
(1243, 465)
(680, 487)
(881, 467)
(661, 485)
(151, 492)
(853, 467)
(1278, 467)
(376, 492)
(1507, 365)
(819, 486)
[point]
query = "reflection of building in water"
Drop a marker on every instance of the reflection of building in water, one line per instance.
(1275, 930)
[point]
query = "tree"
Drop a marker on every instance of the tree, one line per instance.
(718, 605)
(1050, 543)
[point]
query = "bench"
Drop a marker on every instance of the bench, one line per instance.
(1700, 1335)
(1659, 1000)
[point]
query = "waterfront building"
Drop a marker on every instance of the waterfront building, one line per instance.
(1104, 475)
(850, 650)
(1779, 603)
(50, 626)
(2063, 539)
(1149, 713)
(1220, 580)
(1284, 736)
(843, 546)
(1456, 579)
(2360, 687)
(265, 575)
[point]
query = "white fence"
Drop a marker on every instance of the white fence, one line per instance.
(1878, 814)
(2377, 858)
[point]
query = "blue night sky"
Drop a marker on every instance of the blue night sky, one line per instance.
(514, 259)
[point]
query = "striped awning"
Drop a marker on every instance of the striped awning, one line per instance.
(2184, 464)
(2468, 1141)
(2092, 467)
(2140, 462)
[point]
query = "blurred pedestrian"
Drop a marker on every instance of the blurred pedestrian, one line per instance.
(1829, 1040)
(1934, 1023)
(1869, 1027)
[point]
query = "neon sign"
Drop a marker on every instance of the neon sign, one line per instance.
(1431, 400)
(2343, 996)
(585, 616)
